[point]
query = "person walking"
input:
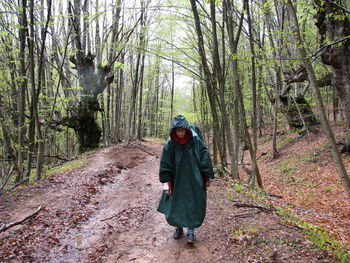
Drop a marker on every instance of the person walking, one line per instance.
(185, 170)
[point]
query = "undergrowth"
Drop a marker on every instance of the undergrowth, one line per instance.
(67, 166)
(319, 237)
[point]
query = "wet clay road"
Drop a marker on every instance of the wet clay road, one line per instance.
(118, 222)
(127, 228)
(129, 223)
(106, 212)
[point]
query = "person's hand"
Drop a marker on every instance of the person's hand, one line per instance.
(207, 181)
(170, 188)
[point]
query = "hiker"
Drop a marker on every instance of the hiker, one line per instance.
(185, 170)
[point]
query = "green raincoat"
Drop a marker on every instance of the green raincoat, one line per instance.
(185, 166)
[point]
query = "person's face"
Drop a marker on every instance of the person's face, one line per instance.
(180, 132)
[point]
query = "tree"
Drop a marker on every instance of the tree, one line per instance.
(233, 44)
(256, 174)
(93, 82)
(332, 21)
(22, 85)
(208, 76)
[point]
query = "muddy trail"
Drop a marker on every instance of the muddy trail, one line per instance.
(106, 212)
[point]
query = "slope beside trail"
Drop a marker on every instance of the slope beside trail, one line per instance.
(106, 212)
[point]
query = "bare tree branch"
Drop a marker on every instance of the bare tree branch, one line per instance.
(7, 226)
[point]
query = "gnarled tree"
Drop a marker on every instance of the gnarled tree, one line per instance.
(93, 81)
(333, 25)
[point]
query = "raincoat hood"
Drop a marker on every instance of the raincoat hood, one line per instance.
(180, 122)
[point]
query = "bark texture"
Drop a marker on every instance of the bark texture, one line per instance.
(333, 24)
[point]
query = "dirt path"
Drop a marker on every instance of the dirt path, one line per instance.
(106, 212)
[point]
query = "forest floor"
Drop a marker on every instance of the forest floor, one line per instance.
(105, 211)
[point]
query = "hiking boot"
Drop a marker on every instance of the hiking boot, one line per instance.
(190, 238)
(178, 233)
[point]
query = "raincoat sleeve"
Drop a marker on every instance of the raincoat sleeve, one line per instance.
(206, 166)
(165, 165)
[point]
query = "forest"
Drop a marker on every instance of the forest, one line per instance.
(79, 75)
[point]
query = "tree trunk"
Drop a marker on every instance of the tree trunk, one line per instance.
(140, 114)
(275, 153)
(335, 101)
(172, 89)
(297, 112)
(118, 103)
(133, 98)
(233, 43)
(22, 86)
(85, 35)
(276, 87)
(333, 23)
(155, 112)
(259, 120)
(142, 44)
(256, 174)
(220, 79)
(210, 81)
(112, 55)
(41, 79)
(33, 103)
